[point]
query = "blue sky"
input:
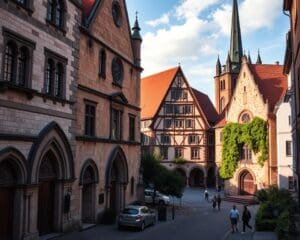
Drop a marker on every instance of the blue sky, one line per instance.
(194, 32)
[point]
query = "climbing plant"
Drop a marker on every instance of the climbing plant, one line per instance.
(253, 134)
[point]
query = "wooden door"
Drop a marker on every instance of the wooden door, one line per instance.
(247, 184)
(87, 204)
(112, 195)
(46, 207)
(6, 213)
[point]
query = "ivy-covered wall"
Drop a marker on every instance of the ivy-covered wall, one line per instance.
(254, 134)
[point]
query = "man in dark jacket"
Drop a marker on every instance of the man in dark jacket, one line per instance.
(246, 218)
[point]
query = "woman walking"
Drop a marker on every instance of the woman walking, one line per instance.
(246, 218)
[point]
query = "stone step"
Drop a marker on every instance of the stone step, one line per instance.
(245, 200)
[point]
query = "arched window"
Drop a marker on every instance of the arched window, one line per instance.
(58, 80)
(102, 63)
(9, 61)
(245, 152)
(55, 12)
(49, 76)
(224, 85)
(22, 66)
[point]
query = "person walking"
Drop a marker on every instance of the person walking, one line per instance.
(219, 200)
(246, 218)
(206, 194)
(214, 202)
(234, 218)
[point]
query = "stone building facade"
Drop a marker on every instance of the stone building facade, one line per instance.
(107, 111)
(292, 67)
(176, 124)
(39, 47)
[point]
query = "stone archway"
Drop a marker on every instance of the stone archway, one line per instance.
(197, 178)
(12, 176)
(182, 174)
(52, 171)
(211, 177)
(88, 180)
(246, 183)
(116, 180)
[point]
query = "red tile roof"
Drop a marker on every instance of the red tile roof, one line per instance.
(206, 106)
(87, 7)
(271, 81)
(153, 90)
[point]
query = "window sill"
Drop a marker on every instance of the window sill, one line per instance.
(56, 28)
(4, 86)
(86, 138)
(55, 99)
(21, 6)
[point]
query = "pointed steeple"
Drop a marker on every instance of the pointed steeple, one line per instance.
(228, 63)
(136, 42)
(218, 67)
(249, 58)
(136, 30)
(236, 48)
(258, 61)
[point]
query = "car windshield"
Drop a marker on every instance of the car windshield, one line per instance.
(130, 211)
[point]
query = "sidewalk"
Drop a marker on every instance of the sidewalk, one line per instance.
(252, 236)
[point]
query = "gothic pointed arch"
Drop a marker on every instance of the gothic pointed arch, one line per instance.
(89, 171)
(52, 139)
(118, 159)
(15, 161)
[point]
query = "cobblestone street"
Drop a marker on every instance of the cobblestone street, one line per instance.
(195, 218)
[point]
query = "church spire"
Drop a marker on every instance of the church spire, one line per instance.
(258, 61)
(236, 48)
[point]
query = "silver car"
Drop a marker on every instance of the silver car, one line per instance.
(159, 197)
(136, 216)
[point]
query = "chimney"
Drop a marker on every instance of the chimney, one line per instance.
(277, 62)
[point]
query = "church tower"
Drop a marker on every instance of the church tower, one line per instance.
(226, 76)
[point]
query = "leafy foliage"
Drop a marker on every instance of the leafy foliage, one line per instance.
(274, 213)
(180, 160)
(164, 180)
(254, 134)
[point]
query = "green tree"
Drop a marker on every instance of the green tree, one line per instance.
(164, 180)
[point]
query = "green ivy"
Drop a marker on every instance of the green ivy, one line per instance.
(254, 134)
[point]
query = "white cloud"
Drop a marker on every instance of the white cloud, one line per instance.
(192, 8)
(254, 15)
(164, 19)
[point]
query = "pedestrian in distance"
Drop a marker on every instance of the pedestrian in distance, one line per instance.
(234, 218)
(206, 195)
(214, 202)
(246, 218)
(219, 200)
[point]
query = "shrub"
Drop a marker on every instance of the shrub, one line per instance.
(282, 227)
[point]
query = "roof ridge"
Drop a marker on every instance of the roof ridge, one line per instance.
(164, 71)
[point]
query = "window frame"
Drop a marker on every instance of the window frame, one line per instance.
(177, 151)
(118, 126)
(102, 63)
(19, 42)
(57, 60)
(193, 150)
(164, 152)
(288, 148)
(53, 19)
(131, 135)
(90, 119)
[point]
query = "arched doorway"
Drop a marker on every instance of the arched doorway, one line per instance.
(246, 183)
(88, 180)
(47, 193)
(197, 178)
(211, 177)
(182, 174)
(7, 193)
(116, 180)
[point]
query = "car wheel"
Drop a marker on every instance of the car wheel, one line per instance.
(161, 202)
(119, 226)
(143, 226)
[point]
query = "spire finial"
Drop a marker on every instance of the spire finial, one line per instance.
(136, 28)
(258, 61)
(236, 48)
